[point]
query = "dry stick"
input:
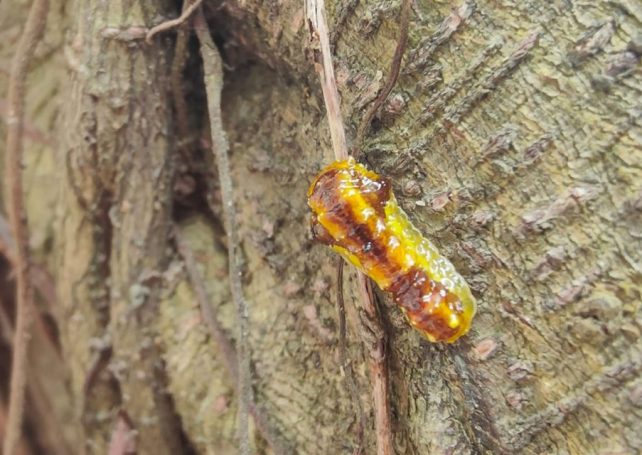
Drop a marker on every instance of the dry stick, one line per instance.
(168, 25)
(395, 67)
(316, 16)
(217, 332)
(378, 369)
(32, 33)
(213, 74)
(345, 363)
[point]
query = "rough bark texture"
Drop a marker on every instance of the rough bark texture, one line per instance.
(513, 140)
(113, 235)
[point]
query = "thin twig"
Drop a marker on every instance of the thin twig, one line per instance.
(346, 364)
(378, 369)
(217, 332)
(33, 31)
(168, 25)
(316, 15)
(213, 74)
(395, 67)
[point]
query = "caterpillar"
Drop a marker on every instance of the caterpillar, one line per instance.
(355, 212)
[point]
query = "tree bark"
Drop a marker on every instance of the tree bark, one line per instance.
(513, 139)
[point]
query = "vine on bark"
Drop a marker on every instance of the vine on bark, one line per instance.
(31, 35)
(213, 73)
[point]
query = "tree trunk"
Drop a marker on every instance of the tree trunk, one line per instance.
(513, 141)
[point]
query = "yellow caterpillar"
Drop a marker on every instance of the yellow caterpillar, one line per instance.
(356, 213)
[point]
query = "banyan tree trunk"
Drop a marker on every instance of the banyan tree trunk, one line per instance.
(513, 141)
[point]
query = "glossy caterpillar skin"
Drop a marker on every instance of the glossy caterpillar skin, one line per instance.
(356, 213)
